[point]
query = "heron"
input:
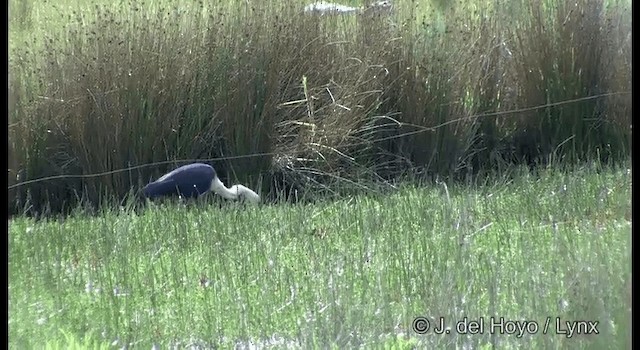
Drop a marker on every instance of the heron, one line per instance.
(194, 180)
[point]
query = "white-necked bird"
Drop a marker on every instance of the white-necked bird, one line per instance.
(194, 180)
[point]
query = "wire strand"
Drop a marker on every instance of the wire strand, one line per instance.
(420, 130)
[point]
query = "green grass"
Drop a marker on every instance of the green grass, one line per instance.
(343, 274)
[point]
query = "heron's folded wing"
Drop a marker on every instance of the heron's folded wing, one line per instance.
(160, 188)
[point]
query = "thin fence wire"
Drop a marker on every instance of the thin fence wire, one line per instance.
(420, 129)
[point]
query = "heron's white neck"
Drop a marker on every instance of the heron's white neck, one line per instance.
(235, 192)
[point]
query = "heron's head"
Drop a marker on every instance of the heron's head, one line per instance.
(246, 194)
(381, 6)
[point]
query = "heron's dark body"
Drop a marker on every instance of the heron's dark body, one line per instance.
(189, 181)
